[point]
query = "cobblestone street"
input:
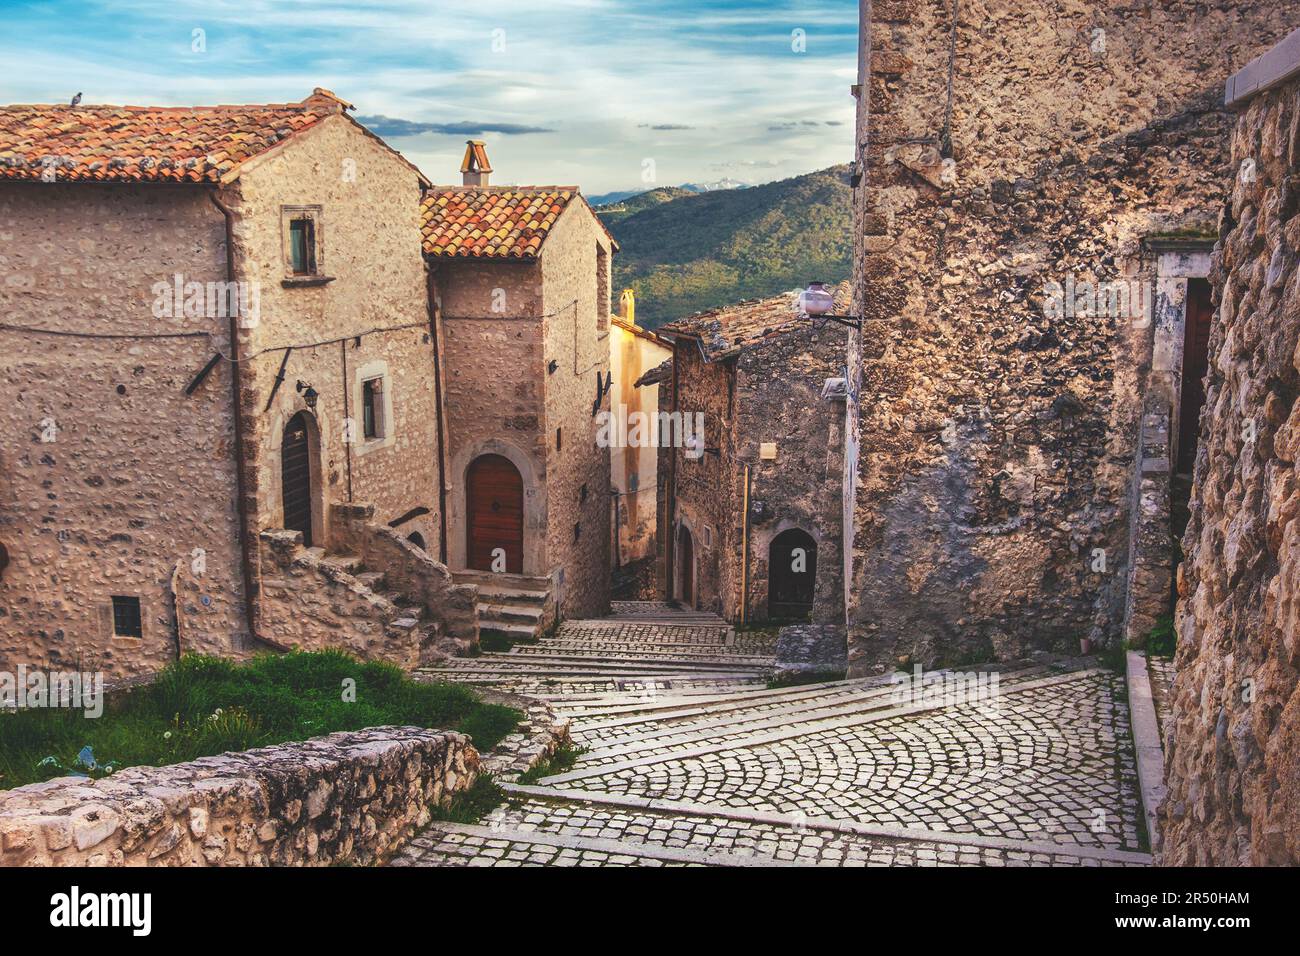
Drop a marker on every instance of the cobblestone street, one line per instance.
(686, 757)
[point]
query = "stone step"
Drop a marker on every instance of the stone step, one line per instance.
(348, 563)
(705, 744)
(590, 665)
(505, 583)
(519, 613)
(786, 838)
(460, 844)
(518, 630)
(372, 579)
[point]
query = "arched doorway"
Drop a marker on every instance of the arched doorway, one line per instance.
(685, 566)
(416, 539)
(295, 476)
(792, 574)
(494, 490)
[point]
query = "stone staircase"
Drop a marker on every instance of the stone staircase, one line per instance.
(512, 608)
(352, 607)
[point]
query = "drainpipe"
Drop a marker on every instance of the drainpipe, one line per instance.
(241, 503)
(431, 293)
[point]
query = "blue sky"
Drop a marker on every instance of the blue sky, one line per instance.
(564, 91)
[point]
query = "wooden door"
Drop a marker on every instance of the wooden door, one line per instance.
(1196, 362)
(685, 567)
(495, 493)
(295, 477)
(792, 574)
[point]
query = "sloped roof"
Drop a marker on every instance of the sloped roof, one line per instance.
(495, 222)
(199, 144)
(725, 331)
(509, 222)
(657, 375)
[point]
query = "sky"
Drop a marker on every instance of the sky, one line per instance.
(605, 94)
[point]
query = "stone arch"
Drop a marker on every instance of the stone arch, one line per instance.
(319, 535)
(534, 552)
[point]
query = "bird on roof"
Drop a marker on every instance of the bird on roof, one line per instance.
(75, 100)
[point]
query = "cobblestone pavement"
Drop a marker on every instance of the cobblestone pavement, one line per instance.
(687, 758)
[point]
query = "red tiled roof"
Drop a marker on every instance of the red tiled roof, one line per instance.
(505, 222)
(148, 143)
(727, 330)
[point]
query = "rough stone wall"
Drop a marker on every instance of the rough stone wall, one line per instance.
(779, 400)
(492, 377)
(1233, 744)
(577, 475)
(368, 240)
(348, 797)
(996, 443)
(137, 474)
(707, 487)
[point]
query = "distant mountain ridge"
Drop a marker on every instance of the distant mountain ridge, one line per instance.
(607, 199)
(685, 252)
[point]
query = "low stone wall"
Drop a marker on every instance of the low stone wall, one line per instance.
(353, 796)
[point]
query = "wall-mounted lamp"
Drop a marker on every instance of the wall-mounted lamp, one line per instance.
(309, 394)
(817, 303)
(551, 366)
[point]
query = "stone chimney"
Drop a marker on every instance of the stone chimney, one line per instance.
(475, 168)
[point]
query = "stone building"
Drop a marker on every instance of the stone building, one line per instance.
(1036, 193)
(751, 516)
(521, 290)
(1233, 749)
(634, 469)
(219, 389)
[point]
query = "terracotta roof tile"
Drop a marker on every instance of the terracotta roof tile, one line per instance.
(498, 222)
(726, 330)
(151, 143)
(145, 143)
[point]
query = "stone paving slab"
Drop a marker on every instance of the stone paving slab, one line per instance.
(690, 765)
(1052, 767)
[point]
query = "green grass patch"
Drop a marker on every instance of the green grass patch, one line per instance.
(562, 761)
(472, 805)
(1163, 638)
(201, 706)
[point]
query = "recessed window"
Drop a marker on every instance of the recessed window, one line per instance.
(372, 408)
(126, 617)
(302, 246)
(559, 439)
(602, 289)
(577, 531)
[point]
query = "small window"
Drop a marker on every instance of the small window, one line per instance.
(126, 617)
(372, 408)
(302, 246)
(577, 531)
(708, 536)
(602, 289)
(559, 439)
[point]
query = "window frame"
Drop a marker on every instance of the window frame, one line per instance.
(366, 372)
(312, 215)
(123, 606)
